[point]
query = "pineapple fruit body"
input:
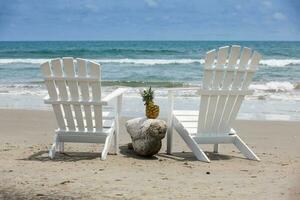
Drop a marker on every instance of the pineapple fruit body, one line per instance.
(152, 110)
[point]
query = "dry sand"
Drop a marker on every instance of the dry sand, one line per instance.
(27, 173)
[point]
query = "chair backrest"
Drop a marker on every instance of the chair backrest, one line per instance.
(74, 87)
(228, 73)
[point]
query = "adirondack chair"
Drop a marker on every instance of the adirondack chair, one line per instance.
(74, 87)
(227, 74)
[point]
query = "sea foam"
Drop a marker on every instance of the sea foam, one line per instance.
(274, 86)
(262, 91)
(117, 61)
(267, 62)
(280, 62)
(22, 61)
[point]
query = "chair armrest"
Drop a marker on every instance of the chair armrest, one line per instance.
(113, 95)
(173, 90)
(181, 89)
(171, 98)
(46, 99)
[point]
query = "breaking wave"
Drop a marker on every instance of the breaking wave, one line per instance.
(117, 61)
(275, 86)
(267, 62)
(280, 62)
(262, 91)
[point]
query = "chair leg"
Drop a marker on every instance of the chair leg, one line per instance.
(170, 122)
(244, 149)
(52, 151)
(106, 147)
(116, 143)
(53, 148)
(61, 147)
(169, 139)
(193, 145)
(216, 148)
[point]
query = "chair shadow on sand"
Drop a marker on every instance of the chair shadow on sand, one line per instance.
(178, 156)
(127, 153)
(43, 156)
(66, 156)
(189, 156)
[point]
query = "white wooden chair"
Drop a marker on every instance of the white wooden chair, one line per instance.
(227, 74)
(74, 87)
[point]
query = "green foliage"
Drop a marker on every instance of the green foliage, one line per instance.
(147, 95)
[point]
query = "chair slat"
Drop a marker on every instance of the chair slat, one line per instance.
(105, 115)
(235, 109)
(208, 74)
(228, 77)
(245, 57)
(63, 94)
(247, 80)
(50, 85)
(203, 112)
(252, 67)
(210, 113)
(84, 90)
(238, 81)
(206, 84)
(217, 101)
(82, 72)
(95, 72)
(223, 125)
(232, 62)
(221, 60)
(70, 72)
(46, 70)
(69, 69)
(234, 56)
(218, 113)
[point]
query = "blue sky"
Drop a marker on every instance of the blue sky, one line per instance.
(149, 20)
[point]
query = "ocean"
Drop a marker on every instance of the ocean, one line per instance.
(160, 64)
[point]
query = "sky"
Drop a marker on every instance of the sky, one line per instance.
(149, 20)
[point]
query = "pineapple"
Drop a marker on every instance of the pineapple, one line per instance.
(152, 110)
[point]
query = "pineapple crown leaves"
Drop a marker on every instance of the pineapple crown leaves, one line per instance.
(147, 95)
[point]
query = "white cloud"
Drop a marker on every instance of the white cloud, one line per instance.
(151, 3)
(279, 16)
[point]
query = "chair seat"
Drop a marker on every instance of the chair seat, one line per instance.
(107, 119)
(105, 131)
(188, 119)
(107, 125)
(85, 136)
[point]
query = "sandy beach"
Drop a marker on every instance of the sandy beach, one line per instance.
(27, 173)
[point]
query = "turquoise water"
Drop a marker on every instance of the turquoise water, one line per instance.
(177, 62)
(162, 64)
